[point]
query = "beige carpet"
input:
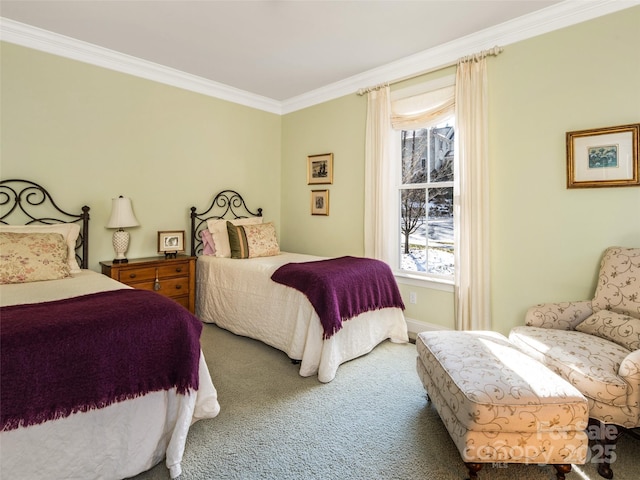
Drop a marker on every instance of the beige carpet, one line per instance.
(371, 422)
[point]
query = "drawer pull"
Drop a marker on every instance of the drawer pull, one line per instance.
(178, 287)
(156, 283)
(178, 269)
(132, 275)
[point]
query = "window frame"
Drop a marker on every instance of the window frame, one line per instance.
(408, 277)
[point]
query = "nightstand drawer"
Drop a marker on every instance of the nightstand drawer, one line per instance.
(176, 277)
(170, 287)
(184, 301)
(149, 273)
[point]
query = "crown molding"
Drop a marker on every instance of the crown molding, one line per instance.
(555, 17)
(561, 15)
(43, 40)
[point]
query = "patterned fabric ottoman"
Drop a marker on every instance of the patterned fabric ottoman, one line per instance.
(498, 404)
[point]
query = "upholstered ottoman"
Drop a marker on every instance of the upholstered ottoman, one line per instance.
(500, 405)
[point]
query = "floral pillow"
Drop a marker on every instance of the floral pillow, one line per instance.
(32, 257)
(69, 232)
(612, 326)
(251, 241)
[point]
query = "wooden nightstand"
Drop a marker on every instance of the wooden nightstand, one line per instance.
(172, 277)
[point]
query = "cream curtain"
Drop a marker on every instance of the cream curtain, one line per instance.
(471, 197)
(380, 175)
(468, 99)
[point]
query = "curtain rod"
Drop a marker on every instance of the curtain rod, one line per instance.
(495, 51)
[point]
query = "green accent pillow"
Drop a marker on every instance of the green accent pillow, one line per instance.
(237, 241)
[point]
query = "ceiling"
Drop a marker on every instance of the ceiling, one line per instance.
(278, 50)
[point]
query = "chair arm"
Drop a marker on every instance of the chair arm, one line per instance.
(630, 372)
(560, 316)
(630, 367)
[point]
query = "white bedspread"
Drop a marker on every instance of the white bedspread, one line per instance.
(239, 295)
(115, 442)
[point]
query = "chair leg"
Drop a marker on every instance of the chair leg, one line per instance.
(473, 468)
(606, 436)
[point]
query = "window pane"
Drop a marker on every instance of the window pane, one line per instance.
(413, 230)
(415, 151)
(441, 158)
(440, 231)
(440, 203)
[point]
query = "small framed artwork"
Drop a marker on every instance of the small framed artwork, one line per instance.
(603, 157)
(171, 243)
(320, 169)
(319, 202)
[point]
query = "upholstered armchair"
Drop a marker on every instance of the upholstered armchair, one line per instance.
(595, 345)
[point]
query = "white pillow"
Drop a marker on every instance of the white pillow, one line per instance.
(69, 232)
(218, 230)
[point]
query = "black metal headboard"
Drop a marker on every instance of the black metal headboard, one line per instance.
(227, 204)
(23, 202)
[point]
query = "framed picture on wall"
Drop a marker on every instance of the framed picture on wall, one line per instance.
(603, 157)
(319, 202)
(320, 169)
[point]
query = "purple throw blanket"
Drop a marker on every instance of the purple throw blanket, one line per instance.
(88, 352)
(341, 288)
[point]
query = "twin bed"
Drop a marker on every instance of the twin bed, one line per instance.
(239, 294)
(97, 380)
(101, 381)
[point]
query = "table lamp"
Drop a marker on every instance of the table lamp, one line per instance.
(121, 217)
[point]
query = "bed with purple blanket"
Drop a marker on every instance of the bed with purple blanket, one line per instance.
(98, 380)
(320, 311)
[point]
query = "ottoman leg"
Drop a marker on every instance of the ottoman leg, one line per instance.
(473, 468)
(562, 469)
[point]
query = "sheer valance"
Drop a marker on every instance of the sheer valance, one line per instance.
(424, 110)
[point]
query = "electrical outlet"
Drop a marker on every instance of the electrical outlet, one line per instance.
(413, 298)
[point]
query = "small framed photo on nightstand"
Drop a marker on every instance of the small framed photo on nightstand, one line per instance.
(171, 243)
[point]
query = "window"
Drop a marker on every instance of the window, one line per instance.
(425, 198)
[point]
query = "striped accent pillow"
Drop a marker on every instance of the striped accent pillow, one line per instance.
(251, 241)
(237, 241)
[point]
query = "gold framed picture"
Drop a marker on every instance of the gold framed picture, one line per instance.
(320, 169)
(171, 242)
(603, 157)
(319, 202)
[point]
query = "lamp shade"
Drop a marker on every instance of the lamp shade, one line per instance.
(122, 213)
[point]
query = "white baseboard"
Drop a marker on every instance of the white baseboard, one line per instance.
(416, 326)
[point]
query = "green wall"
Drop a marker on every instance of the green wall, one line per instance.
(546, 240)
(334, 127)
(88, 134)
(91, 134)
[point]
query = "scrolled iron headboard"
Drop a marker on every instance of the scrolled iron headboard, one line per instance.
(228, 204)
(28, 203)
